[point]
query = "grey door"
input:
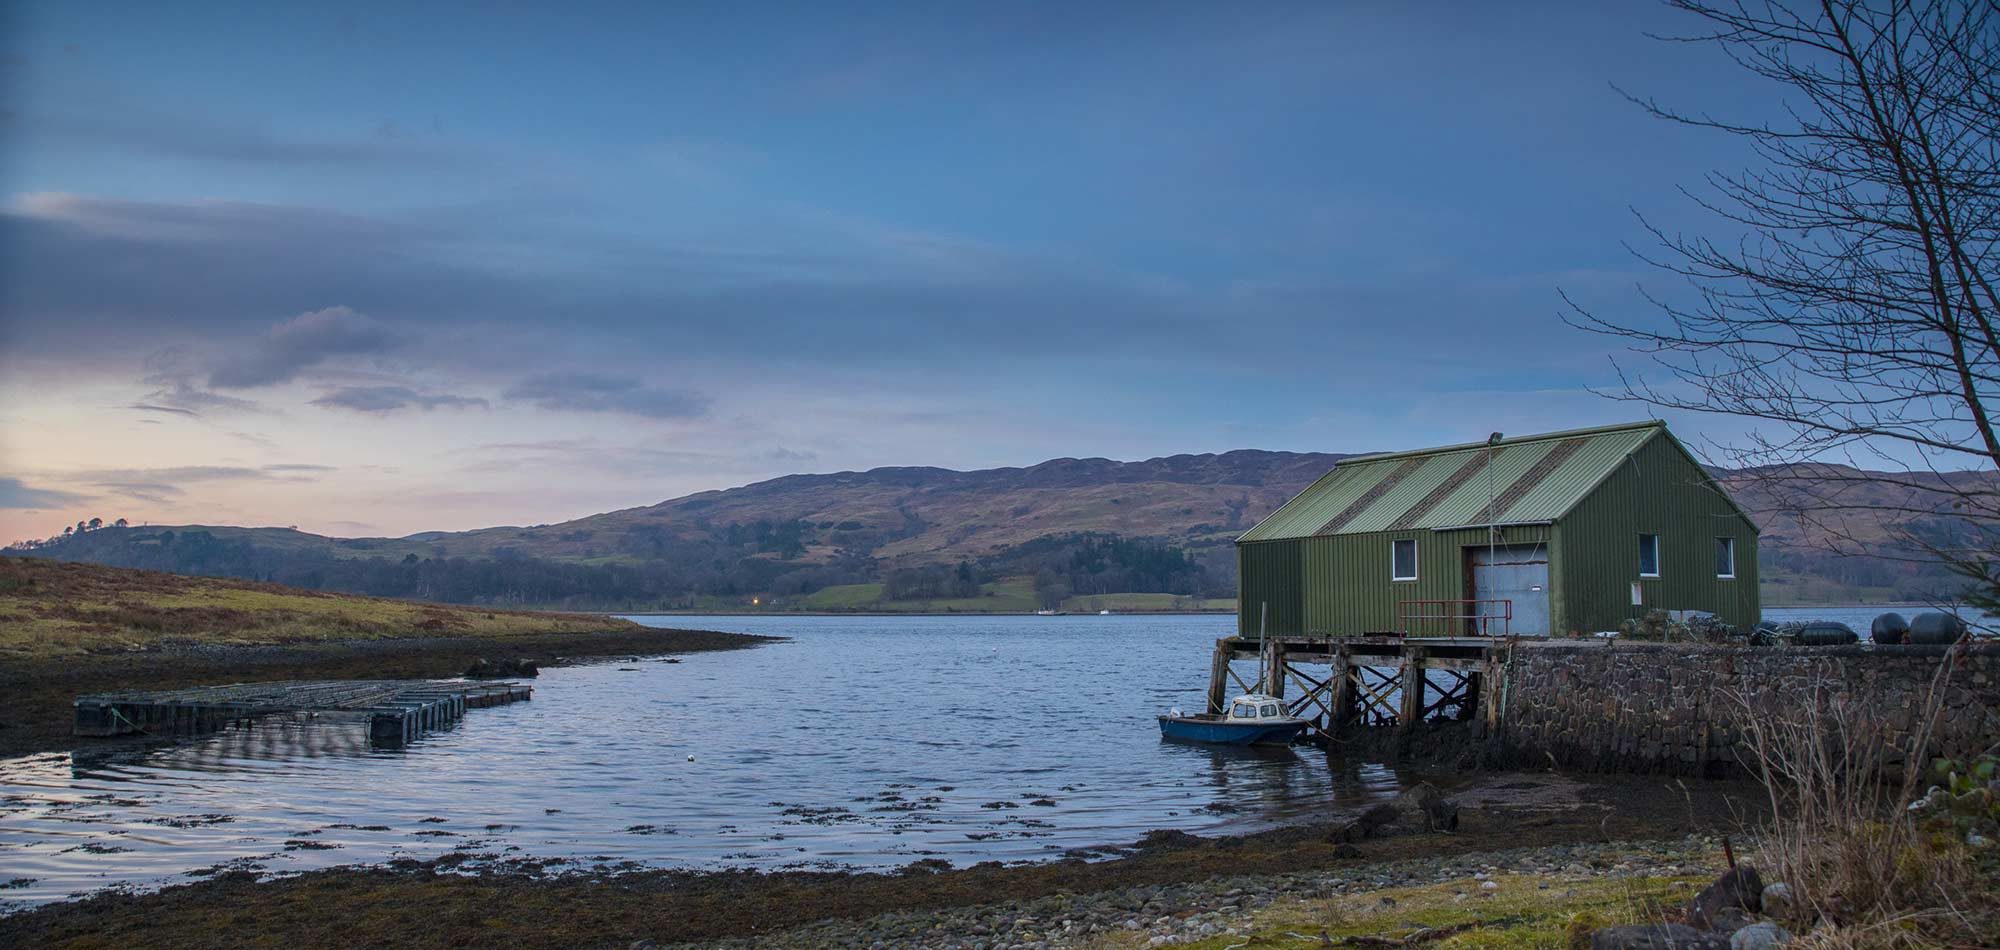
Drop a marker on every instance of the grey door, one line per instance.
(1518, 573)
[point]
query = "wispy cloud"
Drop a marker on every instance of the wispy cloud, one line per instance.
(19, 495)
(163, 485)
(171, 410)
(185, 399)
(301, 343)
(385, 399)
(590, 392)
(191, 137)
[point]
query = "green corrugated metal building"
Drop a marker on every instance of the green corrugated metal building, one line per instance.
(1570, 532)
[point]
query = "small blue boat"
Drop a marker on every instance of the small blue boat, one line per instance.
(1252, 719)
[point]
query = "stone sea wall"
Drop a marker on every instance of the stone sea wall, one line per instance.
(1681, 708)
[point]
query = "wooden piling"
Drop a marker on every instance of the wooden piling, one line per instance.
(1218, 677)
(1413, 687)
(1343, 686)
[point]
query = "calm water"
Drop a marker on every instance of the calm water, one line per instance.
(861, 742)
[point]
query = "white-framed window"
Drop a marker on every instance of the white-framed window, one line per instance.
(1725, 557)
(1403, 559)
(1649, 555)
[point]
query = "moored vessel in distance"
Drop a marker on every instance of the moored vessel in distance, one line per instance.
(1251, 719)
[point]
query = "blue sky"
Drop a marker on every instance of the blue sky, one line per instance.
(386, 268)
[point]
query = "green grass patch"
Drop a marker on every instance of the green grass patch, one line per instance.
(54, 609)
(1092, 603)
(843, 597)
(1524, 911)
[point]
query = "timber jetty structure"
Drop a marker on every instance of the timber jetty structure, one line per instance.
(396, 712)
(1371, 680)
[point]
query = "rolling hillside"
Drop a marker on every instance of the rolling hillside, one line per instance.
(1046, 533)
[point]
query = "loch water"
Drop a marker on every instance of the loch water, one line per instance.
(858, 742)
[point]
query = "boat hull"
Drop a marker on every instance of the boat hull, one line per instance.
(1222, 732)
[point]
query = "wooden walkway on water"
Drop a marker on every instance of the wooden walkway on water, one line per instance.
(397, 711)
(1369, 680)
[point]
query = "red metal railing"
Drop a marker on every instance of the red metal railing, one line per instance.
(1454, 618)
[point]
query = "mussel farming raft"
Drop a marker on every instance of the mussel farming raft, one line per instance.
(396, 711)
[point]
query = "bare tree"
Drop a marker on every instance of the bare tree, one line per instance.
(1852, 312)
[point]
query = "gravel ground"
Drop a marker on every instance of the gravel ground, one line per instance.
(1164, 915)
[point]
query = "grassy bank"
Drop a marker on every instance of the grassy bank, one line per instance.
(72, 629)
(1516, 911)
(51, 609)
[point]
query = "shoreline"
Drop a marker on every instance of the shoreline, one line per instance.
(918, 613)
(737, 612)
(36, 694)
(470, 899)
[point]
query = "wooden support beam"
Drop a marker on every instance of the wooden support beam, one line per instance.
(1496, 673)
(1343, 689)
(1375, 703)
(1218, 677)
(1413, 687)
(1313, 691)
(1274, 669)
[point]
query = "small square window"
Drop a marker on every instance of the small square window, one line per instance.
(1403, 559)
(1725, 557)
(1649, 555)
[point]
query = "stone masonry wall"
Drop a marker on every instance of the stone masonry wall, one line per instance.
(1669, 707)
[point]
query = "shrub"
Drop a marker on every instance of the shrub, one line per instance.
(1865, 868)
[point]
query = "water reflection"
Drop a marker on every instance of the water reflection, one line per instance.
(862, 742)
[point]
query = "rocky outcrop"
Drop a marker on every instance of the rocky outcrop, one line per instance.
(485, 669)
(1419, 808)
(1723, 916)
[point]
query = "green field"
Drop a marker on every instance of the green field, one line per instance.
(53, 609)
(1145, 603)
(1010, 595)
(1015, 595)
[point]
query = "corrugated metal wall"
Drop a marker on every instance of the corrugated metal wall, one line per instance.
(1346, 577)
(1268, 573)
(1658, 491)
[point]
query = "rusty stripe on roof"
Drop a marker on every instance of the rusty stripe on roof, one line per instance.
(1437, 496)
(1529, 479)
(1359, 505)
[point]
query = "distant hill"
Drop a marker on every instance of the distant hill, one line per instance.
(1067, 527)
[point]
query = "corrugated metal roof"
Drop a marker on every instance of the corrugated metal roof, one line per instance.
(1533, 478)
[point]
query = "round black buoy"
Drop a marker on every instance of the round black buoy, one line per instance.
(1827, 633)
(1889, 628)
(1934, 627)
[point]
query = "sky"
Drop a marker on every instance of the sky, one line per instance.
(373, 269)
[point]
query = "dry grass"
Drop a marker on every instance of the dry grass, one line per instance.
(50, 609)
(1523, 911)
(1840, 783)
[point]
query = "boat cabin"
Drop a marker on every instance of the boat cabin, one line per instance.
(1251, 707)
